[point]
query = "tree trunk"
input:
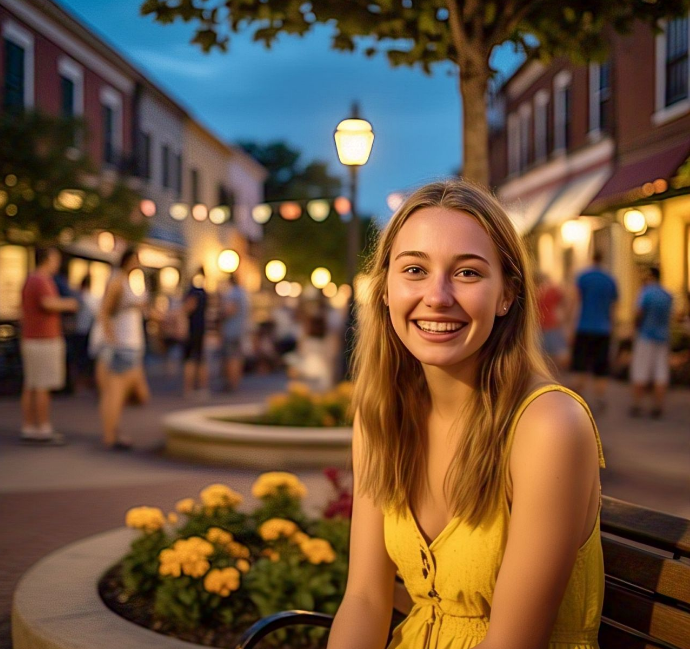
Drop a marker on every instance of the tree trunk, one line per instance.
(473, 86)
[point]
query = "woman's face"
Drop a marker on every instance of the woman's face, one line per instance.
(445, 286)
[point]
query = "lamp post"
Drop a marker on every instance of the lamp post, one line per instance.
(354, 138)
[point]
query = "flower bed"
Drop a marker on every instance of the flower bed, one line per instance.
(208, 571)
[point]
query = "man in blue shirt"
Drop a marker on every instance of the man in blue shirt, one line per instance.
(651, 347)
(598, 293)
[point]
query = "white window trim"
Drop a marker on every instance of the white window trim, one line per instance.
(24, 39)
(541, 126)
(71, 70)
(113, 99)
(560, 82)
(665, 113)
(513, 140)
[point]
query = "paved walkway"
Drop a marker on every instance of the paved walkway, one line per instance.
(52, 496)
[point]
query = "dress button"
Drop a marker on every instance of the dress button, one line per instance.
(433, 593)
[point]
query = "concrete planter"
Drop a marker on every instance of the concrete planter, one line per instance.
(197, 434)
(57, 606)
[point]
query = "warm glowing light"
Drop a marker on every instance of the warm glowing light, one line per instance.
(295, 289)
(147, 207)
(318, 210)
(342, 205)
(198, 281)
(652, 214)
(660, 186)
(283, 288)
(647, 189)
(634, 221)
(70, 199)
(179, 211)
(137, 282)
(339, 301)
(276, 270)
(11, 210)
(395, 200)
(262, 213)
(290, 211)
(320, 277)
(228, 261)
(200, 212)
(3, 197)
(169, 278)
(106, 241)
(66, 235)
(642, 245)
(10, 180)
(219, 214)
(346, 290)
(573, 232)
(353, 140)
(330, 290)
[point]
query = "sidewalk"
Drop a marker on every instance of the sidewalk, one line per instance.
(52, 496)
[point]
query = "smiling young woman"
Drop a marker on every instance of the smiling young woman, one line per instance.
(476, 476)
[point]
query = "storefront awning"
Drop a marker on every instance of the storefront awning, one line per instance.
(573, 197)
(627, 177)
(526, 213)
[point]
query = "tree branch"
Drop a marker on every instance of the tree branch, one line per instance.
(510, 17)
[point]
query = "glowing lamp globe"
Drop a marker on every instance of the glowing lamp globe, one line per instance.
(275, 270)
(228, 261)
(353, 140)
(179, 211)
(148, 207)
(262, 213)
(318, 210)
(290, 211)
(320, 277)
(634, 221)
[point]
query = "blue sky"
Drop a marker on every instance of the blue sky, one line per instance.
(298, 91)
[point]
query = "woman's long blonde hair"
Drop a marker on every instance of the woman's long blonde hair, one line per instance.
(390, 389)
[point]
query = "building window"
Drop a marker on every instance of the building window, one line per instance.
(66, 97)
(513, 144)
(195, 186)
(18, 86)
(71, 87)
(145, 155)
(226, 197)
(541, 125)
(525, 113)
(676, 61)
(599, 97)
(178, 174)
(562, 111)
(165, 166)
(111, 112)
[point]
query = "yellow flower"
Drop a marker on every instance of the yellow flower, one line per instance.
(274, 528)
(219, 495)
(277, 400)
(218, 535)
(328, 420)
(236, 550)
(298, 537)
(172, 518)
(223, 581)
(147, 519)
(317, 551)
(242, 565)
(298, 388)
(268, 484)
(185, 506)
(271, 554)
(169, 563)
(186, 556)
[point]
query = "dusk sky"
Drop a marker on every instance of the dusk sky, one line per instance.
(298, 92)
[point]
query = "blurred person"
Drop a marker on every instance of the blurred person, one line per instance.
(312, 348)
(69, 331)
(286, 329)
(42, 347)
(195, 368)
(122, 353)
(174, 331)
(650, 353)
(234, 317)
(597, 294)
(86, 315)
(552, 308)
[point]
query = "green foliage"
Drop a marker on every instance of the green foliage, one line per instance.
(140, 566)
(38, 160)
(226, 518)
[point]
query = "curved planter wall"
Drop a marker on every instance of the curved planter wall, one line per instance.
(196, 434)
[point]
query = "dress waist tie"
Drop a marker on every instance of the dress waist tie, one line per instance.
(436, 618)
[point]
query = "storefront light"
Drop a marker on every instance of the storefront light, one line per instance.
(179, 211)
(228, 261)
(574, 232)
(106, 241)
(295, 289)
(283, 288)
(275, 270)
(634, 221)
(330, 290)
(320, 277)
(262, 213)
(643, 245)
(137, 282)
(169, 278)
(70, 199)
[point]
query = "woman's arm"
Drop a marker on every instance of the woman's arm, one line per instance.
(111, 297)
(364, 615)
(555, 470)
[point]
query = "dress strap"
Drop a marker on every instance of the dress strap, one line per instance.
(553, 387)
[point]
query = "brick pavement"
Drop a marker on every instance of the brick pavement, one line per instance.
(50, 497)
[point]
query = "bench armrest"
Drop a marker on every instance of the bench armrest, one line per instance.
(266, 625)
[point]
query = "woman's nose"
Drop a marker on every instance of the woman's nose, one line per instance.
(439, 293)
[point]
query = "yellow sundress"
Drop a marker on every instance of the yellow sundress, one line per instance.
(452, 580)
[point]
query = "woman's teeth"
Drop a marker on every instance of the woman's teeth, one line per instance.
(439, 327)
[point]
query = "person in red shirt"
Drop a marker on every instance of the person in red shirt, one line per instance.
(552, 306)
(42, 347)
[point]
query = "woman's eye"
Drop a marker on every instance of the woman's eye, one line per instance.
(412, 268)
(468, 272)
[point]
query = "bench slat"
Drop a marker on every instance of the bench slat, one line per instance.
(636, 566)
(648, 526)
(611, 637)
(668, 624)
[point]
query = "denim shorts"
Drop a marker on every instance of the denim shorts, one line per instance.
(119, 361)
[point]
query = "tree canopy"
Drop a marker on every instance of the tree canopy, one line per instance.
(425, 32)
(49, 190)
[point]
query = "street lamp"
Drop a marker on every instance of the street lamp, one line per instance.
(354, 138)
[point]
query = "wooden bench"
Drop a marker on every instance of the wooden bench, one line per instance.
(647, 598)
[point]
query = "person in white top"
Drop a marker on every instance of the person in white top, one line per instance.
(121, 356)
